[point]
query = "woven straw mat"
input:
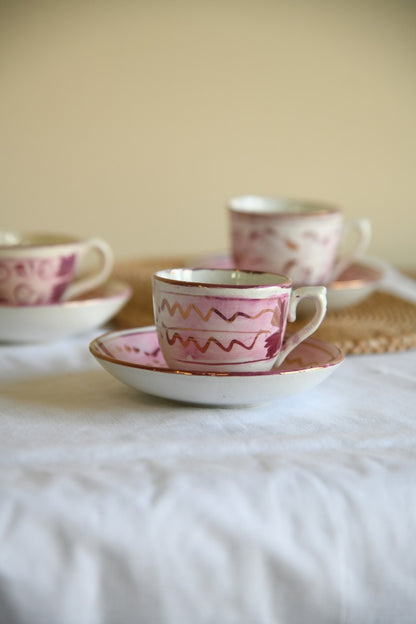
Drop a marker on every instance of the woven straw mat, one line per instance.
(380, 323)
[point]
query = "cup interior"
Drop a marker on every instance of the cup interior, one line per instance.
(10, 239)
(259, 204)
(226, 278)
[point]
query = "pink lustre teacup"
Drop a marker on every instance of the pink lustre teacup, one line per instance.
(223, 320)
(299, 238)
(43, 268)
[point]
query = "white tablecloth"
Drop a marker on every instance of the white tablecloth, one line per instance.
(118, 507)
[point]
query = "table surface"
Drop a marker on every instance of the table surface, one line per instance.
(119, 507)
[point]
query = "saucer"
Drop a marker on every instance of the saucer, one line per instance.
(55, 321)
(353, 285)
(134, 357)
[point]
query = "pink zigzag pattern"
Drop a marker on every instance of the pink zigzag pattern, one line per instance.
(205, 317)
(203, 348)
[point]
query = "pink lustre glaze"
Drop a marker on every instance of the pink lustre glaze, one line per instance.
(140, 347)
(35, 281)
(301, 246)
(218, 332)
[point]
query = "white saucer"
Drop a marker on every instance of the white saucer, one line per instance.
(44, 323)
(134, 357)
(352, 286)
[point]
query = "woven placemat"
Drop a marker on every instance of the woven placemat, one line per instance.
(378, 324)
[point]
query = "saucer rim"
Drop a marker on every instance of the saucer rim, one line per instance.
(375, 276)
(93, 346)
(125, 292)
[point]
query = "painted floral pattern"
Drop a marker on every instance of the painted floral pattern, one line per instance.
(35, 281)
(294, 246)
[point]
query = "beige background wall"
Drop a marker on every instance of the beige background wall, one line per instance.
(136, 120)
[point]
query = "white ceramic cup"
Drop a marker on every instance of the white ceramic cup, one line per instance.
(224, 320)
(43, 268)
(298, 238)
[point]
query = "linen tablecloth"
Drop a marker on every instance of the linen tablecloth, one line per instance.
(119, 507)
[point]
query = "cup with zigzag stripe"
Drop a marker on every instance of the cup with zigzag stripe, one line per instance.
(225, 320)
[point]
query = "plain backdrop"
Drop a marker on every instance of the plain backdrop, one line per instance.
(137, 120)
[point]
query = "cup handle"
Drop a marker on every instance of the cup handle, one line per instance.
(93, 245)
(318, 294)
(362, 230)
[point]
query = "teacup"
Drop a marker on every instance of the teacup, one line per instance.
(43, 268)
(298, 238)
(225, 320)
